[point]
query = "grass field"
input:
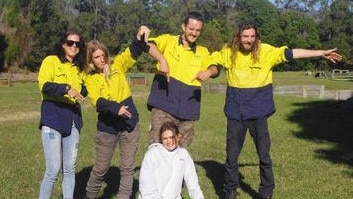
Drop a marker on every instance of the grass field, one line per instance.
(312, 148)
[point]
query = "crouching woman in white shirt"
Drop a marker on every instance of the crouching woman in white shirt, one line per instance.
(165, 166)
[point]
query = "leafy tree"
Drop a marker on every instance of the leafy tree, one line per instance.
(299, 31)
(215, 32)
(18, 33)
(211, 36)
(305, 6)
(31, 28)
(264, 14)
(48, 27)
(336, 30)
(123, 21)
(3, 46)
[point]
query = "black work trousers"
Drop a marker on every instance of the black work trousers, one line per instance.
(236, 132)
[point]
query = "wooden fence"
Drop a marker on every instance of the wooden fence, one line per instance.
(137, 79)
(5, 80)
(315, 91)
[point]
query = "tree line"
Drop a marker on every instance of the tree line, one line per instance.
(30, 29)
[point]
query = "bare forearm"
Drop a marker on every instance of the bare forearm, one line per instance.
(163, 67)
(330, 54)
(305, 53)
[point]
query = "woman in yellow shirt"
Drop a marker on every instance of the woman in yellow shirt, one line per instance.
(110, 94)
(61, 84)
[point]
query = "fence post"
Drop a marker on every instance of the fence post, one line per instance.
(305, 91)
(322, 92)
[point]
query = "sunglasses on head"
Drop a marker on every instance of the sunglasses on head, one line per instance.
(70, 43)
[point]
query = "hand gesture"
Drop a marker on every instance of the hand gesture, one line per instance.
(332, 55)
(202, 76)
(124, 112)
(164, 68)
(144, 32)
(73, 93)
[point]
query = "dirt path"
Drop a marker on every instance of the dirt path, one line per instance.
(19, 116)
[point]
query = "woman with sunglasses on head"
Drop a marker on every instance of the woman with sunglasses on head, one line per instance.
(165, 166)
(61, 84)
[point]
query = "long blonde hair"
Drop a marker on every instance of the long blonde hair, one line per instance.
(235, 45)
(92, 46)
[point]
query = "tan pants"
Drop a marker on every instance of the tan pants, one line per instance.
(186, 127)
(105, 147)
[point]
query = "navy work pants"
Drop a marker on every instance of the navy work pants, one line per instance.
(236, 132)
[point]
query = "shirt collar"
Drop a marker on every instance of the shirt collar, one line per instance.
(192, 46)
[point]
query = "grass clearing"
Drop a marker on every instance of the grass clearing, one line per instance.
(311, 149)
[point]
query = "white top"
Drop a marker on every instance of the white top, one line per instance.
(162, 173)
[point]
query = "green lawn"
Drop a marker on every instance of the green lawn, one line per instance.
(312, 147)
(299, 78)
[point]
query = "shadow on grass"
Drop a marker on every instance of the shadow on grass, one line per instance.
(112, 180)
(215, 172)
(327, 121)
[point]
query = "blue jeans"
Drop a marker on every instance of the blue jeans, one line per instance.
(59, 151)
(236, 132)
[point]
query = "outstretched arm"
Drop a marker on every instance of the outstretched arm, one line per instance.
(330, 54)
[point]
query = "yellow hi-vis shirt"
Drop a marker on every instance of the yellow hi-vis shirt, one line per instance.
(108, 94)
(249, 92)
(243, 72)
(53, 70)
(184, 63)
(115, 87)
(58, 109)
(182, 95)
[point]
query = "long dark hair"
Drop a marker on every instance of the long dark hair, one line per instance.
(80, 58)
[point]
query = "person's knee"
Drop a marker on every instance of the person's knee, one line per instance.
(52, 173)
(154, 137)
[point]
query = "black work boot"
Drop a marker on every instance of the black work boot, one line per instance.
(265, 197)
(231, 194)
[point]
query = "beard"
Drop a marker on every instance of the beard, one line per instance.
(189, 39)
(247, 47)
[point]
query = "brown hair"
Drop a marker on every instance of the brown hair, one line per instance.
(235, 44)
(193, 15)
(169, 126)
